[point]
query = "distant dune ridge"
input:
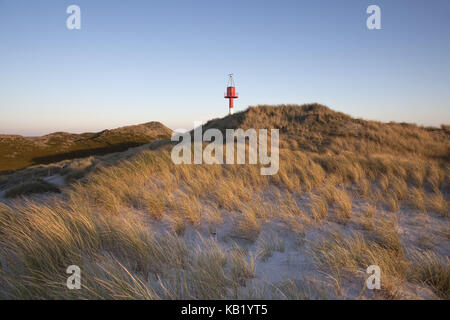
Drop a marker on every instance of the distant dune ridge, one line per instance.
(18, 152)
(349, 194)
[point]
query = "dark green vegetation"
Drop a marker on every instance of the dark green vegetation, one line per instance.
(32, 187)
(17, 152)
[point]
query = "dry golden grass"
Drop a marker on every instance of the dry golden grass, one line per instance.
(318, 207)
(434, 271)
(437, 203)
(269, 246)
(343, 258)
(368, 217)
(343, 205)
(328, 162)
(248, 224)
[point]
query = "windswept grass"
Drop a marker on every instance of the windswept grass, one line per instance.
(430, 269)
(137, 227)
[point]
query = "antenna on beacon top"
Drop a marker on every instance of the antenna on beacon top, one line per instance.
(230, 80)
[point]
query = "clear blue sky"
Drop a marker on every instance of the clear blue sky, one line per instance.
(138, 61)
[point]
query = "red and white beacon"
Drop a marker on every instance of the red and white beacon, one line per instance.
(231, 92)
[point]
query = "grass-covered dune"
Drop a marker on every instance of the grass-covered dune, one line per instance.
(17, 152)
(349, 193)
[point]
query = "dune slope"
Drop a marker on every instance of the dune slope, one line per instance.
(349, 193)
